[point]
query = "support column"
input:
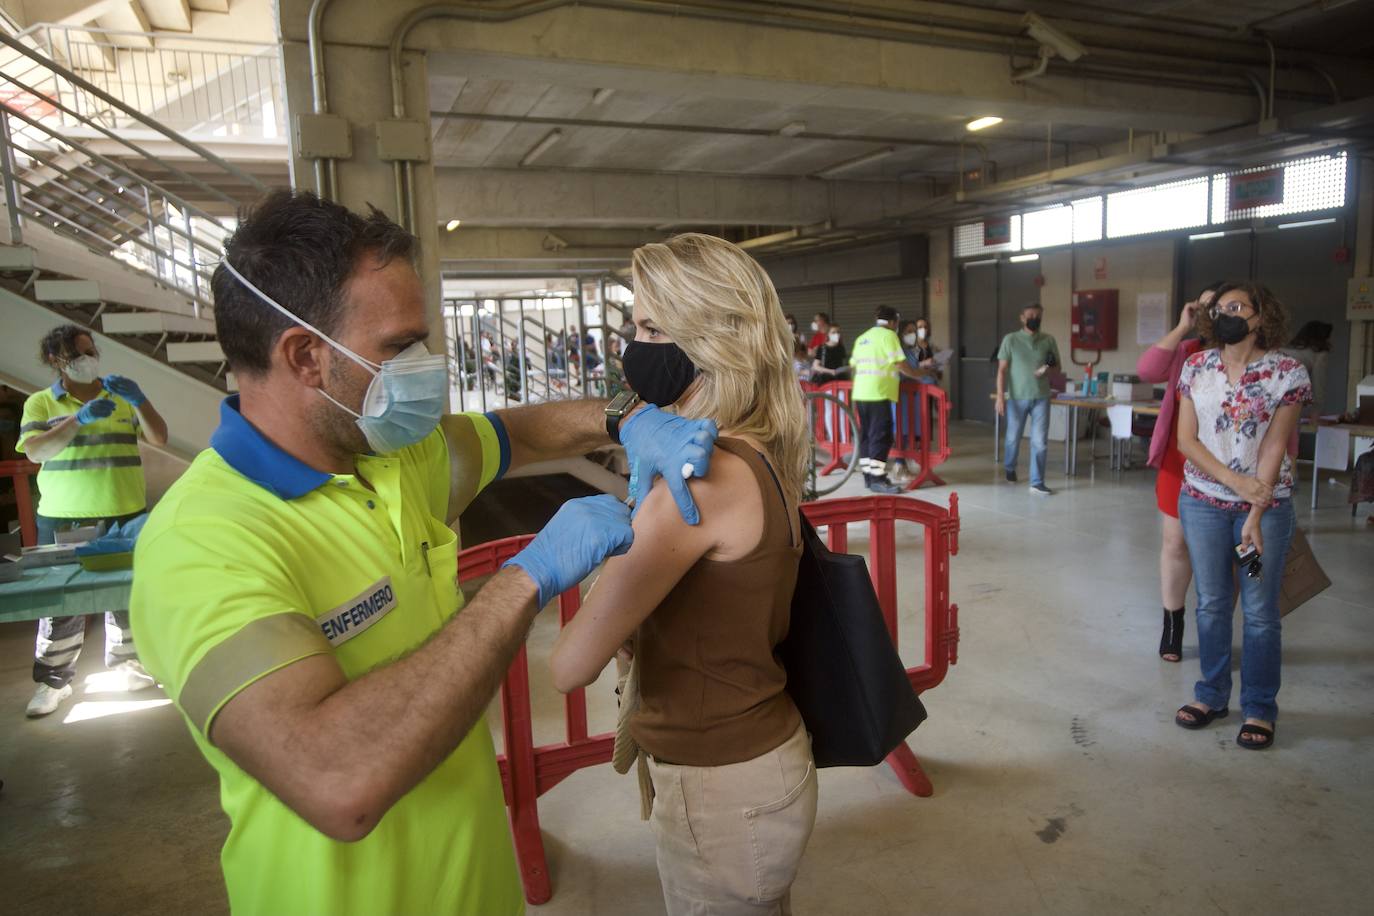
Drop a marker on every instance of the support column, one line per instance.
(358, 86)
(1361, 347)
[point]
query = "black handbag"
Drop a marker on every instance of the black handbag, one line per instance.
(843, 671)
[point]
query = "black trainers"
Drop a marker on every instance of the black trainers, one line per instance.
(1011, 477)
(1039, 489)
(884, 486)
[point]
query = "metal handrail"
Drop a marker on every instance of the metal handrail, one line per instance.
(133, 114)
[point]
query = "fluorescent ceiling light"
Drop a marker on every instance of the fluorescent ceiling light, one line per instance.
(1310, 222)
(1016, 259)
(600, 96)
(453, 224)
(1205, 235)
(542, 147)
(792, 128)
(857, 161)
(980, 123)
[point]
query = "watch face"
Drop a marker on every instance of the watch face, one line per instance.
(621, 403)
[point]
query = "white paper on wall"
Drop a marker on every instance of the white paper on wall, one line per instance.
(1151, 317)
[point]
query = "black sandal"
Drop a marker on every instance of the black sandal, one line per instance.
(1199, 718)
(1171, 643)
(1267, 734)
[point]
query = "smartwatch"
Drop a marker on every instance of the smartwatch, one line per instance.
(616, 411)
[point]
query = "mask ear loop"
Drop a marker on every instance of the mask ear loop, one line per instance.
(370, 366)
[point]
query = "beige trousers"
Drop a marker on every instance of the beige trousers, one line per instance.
(730, 838)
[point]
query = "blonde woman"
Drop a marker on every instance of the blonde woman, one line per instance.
(706, 605)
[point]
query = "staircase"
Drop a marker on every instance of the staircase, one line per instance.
(115, 221)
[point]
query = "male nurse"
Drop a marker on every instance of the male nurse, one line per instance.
(295, 590)
(879, 364)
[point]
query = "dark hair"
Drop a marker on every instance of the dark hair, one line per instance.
(300, 250)
(823, 316)
(909, 323)
(60, 343)
(1315, 335)
(1032, 305)
(885, 313)
(1273, 327)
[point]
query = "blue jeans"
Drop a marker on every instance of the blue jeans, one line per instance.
(1212, 535)
(1038, 410)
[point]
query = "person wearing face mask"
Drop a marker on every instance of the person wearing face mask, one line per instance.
(1025, 358)
(296, 589)
(879, 364)
(820, 332)
(704, 608)
(920, 353)
(792, 329)
(831, 362)
(1239, 405)
(1163, 362)
(84, 431)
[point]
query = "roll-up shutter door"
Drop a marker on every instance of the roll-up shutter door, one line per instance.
(805, 302)
(855, 303)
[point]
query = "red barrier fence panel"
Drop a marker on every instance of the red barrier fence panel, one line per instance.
(920, 428)
(527, 771)
(833, 432)
(19, 472)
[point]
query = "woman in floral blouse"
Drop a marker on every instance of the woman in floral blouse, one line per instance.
(1239, 403)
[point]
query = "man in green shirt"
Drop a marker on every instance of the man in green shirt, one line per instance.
(879, 363)
(1027, 356)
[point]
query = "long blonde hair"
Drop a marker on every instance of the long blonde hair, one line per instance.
(718, 304)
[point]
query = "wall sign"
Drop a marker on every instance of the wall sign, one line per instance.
(996, 231)
(1256, 189)
(1359, 304)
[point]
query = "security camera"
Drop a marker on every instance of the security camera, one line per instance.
(1050, 37)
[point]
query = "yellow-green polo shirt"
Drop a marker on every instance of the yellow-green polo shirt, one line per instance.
(99, 474)
(254, 560)
(876, 356)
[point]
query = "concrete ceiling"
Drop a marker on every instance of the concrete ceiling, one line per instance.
(640, 122)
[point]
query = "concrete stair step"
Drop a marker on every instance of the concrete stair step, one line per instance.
(155, 323)
(67, 291)
(202, 352)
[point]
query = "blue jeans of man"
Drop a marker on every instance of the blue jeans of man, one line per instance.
(1038, 412)
(1212, 534)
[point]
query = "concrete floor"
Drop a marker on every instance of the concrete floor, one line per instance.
(1061, 783)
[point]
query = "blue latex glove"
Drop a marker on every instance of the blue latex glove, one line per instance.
(664, 445)
(582, 534)
(97, 409)
(126, 388)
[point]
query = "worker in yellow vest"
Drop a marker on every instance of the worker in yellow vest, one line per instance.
(84, 431)
(879, 363)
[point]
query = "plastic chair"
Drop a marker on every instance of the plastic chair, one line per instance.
(1119, 416)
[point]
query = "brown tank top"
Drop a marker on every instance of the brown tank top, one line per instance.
(711, 688)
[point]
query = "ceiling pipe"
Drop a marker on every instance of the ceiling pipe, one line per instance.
(1038, 69)
(325, 175)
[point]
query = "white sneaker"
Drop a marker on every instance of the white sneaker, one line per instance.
(46, 700)
(135, 676)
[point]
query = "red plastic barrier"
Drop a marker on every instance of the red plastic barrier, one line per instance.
(527, 771)
(918, 405)
(19, 472)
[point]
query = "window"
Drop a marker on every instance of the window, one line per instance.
(1317, 183)
(1078, 221)
(1177, 205)
(968, 240)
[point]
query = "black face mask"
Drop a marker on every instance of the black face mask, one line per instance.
(1032, 324)
(1230, 329)
(659, 373)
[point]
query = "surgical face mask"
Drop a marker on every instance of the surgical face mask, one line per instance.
(1033, 324)
(660, 373)
(407, 395)
(921, 333)
(834, 337)
(83, 370)
(909, 339)
(815, 326)
(1230, 329)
